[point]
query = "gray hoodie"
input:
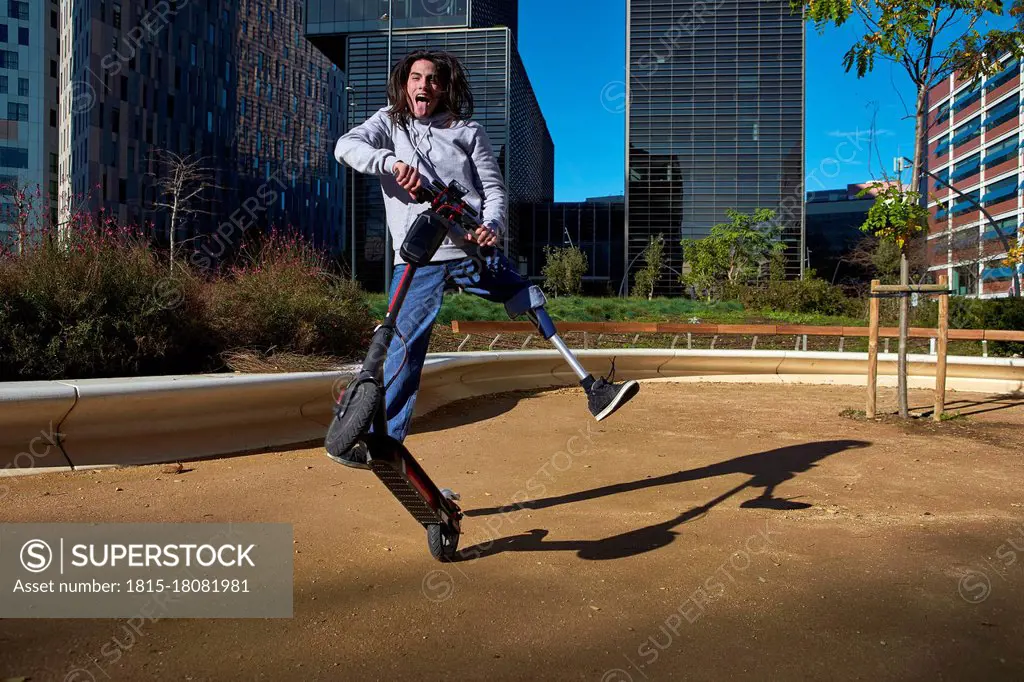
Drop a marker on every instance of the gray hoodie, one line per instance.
(461, 152)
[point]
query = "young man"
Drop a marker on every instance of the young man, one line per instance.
(424, 135)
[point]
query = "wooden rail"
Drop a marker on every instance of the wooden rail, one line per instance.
(487, 328)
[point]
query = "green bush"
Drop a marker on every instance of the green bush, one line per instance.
(563, 270)
(97, 307)
(807, 296)
(978, 313)
(103, 306)
(284, 300)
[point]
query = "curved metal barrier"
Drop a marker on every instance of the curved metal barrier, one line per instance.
(49, 426)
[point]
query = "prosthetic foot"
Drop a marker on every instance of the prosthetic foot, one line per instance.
(603, 395)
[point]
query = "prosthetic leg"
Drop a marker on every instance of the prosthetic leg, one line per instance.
(603, 396)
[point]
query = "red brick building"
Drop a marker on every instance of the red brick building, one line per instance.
(974, 140)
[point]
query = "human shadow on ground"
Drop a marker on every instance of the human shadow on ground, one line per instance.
(767, 470)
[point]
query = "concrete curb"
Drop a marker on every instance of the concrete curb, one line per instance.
(63, 425)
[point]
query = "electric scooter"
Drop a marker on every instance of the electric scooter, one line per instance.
(363, 402)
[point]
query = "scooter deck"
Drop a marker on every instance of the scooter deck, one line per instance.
(403, 476)
(403, 490)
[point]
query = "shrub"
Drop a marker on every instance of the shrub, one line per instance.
(810, 295)
(654, 261)
(283, 298)
(98, 305)
(563, 271)
(978, 313)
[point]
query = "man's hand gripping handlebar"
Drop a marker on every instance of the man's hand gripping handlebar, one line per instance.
(448, 202)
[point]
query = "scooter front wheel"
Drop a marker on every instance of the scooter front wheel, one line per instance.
(352, 423)
(443, 540)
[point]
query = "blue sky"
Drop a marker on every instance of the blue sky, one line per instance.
(574, 51)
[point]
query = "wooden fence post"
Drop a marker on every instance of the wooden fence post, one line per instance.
(872, 351)
(940, 361)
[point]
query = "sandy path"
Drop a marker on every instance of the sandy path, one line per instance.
(649, 549)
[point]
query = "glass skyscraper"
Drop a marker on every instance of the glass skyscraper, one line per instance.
(482, 35)
(235, 83)
(714, 120)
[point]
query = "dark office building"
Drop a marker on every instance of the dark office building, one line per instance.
(236, 83)
(482, 35)
(834, 219)
(596, 227)
(714, 120)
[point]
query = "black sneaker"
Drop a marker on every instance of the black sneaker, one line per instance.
(357, 456)
(604, 396)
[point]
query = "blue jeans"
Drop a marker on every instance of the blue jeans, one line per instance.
(493, 279)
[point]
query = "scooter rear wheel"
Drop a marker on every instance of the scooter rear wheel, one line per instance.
(443, 541)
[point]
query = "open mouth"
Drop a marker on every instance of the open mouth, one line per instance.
(423, 98)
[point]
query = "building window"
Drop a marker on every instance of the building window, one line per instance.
(53, 68)
(23, 35)
(14, 157)
(966, 98)
(1000, 191)
(967, 132)
(53, 118)
(192, 53)
(965, 280)
(1001, 151)
(1009, 71)
(17, 112)
(116, 14)
(22, 87)
(17, 10)
(966, 204)
(115, 120)
(966, 168)
(1000, 230)
(995, 271)
(8, 59)
(3, 33)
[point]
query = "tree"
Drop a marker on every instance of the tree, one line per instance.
(929, 40)
(733, 253)
(647, 278)
(563, 270)
(180, 185)
(28, 211)
(1015, 258)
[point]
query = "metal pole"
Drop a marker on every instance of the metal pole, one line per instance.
(389, 255)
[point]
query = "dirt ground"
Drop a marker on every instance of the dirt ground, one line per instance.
(704, 532)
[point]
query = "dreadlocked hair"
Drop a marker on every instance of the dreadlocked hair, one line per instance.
(456, 97)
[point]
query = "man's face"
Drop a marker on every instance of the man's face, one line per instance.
(423, 89)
